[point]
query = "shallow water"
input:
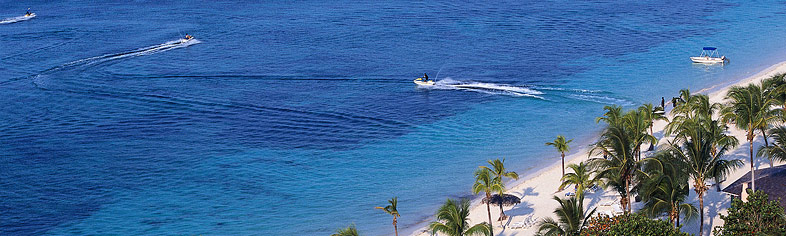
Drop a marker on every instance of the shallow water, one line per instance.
(298, 118)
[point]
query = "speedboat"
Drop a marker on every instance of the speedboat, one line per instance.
(424, 82)
(709, 55)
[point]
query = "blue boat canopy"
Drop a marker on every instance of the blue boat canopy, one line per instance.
(709, 48)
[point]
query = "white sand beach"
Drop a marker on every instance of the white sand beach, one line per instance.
(536, 190)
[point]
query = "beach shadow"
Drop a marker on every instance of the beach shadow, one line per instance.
(594, 197)
(505, 224)
(529, 192)
(518, 212)
(523, 208)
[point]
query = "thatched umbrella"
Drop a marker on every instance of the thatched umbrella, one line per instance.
(504, 200)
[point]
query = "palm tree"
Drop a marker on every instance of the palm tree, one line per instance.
(452, 220)
(581, 178)
(776, 87)
(695, 106)
(348, 231)
(778, 149)
(498, 170)
(621, 141)
(667, 189)
(700, 144)
(392, 210)
(562, 147)
(749, 109)
(485, 182)
(571, 218)
(652, 114)
(637, 122)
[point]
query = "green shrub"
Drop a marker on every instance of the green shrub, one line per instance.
(629, 224)
(758, 216)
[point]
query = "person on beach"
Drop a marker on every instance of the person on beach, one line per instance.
(663, 103)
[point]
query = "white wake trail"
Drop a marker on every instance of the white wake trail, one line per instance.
(16, 19)
(487, 88)
(133, 53)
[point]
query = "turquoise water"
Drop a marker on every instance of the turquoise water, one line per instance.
(300, 118)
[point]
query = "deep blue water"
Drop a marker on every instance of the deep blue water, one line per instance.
(298, 118)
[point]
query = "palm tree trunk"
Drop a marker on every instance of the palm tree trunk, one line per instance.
(766, 144)
(563, 164)
(395, 226)
(488, 208)
(627, 192)
(652, 146)
(677, 217)
(701, 214)
(753, 178)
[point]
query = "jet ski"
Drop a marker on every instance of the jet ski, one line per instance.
(424, 82)
(186, 39)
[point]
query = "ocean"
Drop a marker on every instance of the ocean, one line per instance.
(299, 117)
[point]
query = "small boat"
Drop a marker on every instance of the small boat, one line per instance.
(709, 55)
(424, 82)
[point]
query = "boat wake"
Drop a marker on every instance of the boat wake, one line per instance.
(109, 57)
(16, 19)
(539, 92)
(133, 53)
(487, 88)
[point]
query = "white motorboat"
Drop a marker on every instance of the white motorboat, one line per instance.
(424, 82)
(709, 55)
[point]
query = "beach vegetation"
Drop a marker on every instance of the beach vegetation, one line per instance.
(486, 183)
(750, 109)
(775, 86)
(777, 151)
(453, 220)
(621, 144)
(699, 145)
(393, 211)
(667, 189)
(351, 230)
(497, 169)
(581, 178)
(562, 146)
(629, 224)
(757, 216)
(652, 114)
(571, 218)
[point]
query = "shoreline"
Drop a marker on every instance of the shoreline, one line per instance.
(529, 174)
(537, 188)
